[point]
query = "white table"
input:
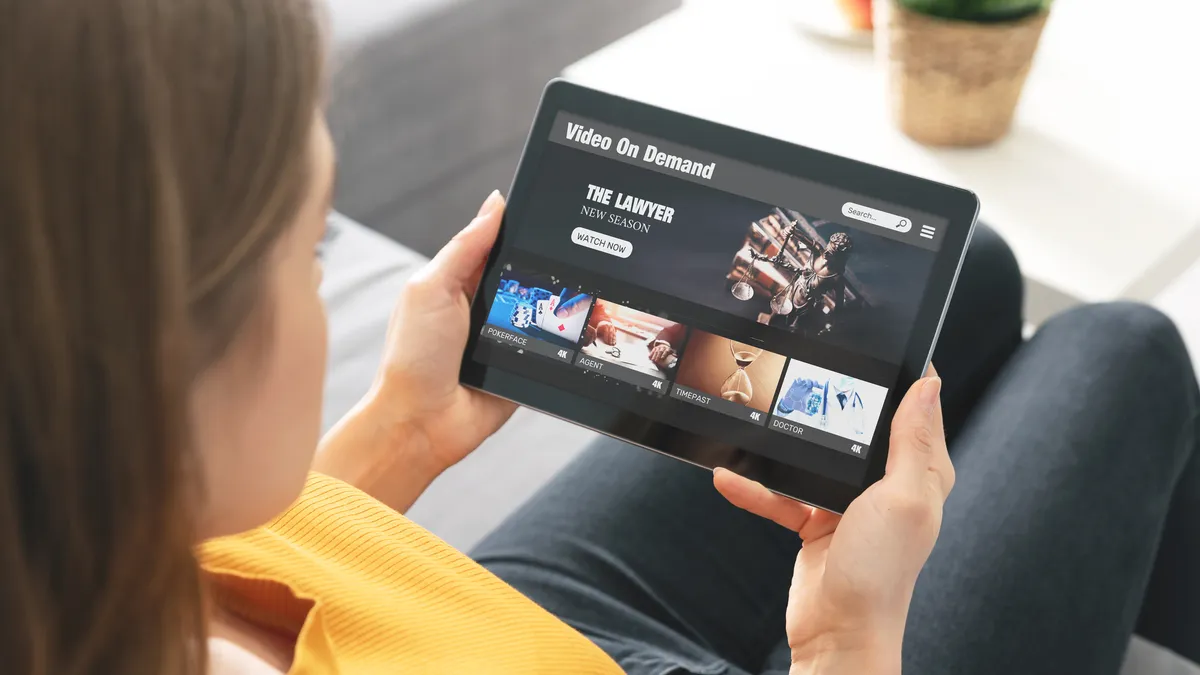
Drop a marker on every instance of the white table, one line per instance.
(1097, 189)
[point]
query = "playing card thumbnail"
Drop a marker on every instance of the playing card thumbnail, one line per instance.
(540, 306)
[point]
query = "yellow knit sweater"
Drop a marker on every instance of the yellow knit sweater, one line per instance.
(365, 590)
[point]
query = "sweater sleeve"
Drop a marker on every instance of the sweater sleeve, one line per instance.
(366, 590)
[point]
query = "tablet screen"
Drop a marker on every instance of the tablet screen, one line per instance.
(771, 310)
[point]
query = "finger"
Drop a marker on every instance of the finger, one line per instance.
(918, 443)
(937, 411)
(472, 286)
(569, 307)
(754, 497)
(912, 441)
(494, 201)
(943, 465)
(931, 371)
(460, 262)
(821, 524)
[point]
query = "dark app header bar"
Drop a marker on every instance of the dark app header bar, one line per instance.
(840, 206)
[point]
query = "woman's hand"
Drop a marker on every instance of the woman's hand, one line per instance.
(417, 420)
(854, 576)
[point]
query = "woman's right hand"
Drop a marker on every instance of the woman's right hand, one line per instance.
(418, 419)
(855, 574)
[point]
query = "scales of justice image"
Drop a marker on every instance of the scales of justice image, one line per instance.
(805, 276)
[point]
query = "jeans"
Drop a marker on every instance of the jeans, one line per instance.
(1074, 522)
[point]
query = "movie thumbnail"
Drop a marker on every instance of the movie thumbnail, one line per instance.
(539, 306)
(825, 281)
(734, 371)
(799, 280)
(631, 339)
(822, 399)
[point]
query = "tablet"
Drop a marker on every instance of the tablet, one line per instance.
(718, 296)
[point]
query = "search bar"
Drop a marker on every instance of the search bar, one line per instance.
(867, 214)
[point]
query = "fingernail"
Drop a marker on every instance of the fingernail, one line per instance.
(489, 204)
(930, 391)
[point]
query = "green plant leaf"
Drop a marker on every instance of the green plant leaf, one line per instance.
(977, 10)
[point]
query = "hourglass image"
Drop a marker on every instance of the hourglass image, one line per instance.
(737, 387)
(749, 381)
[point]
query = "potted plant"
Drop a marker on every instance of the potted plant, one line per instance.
(956, 68)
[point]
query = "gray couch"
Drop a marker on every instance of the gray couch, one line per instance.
(433, 98)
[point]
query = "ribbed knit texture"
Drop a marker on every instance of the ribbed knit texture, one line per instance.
(365, 590)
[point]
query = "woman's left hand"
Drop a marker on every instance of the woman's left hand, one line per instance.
(417, 420)
(854, 577)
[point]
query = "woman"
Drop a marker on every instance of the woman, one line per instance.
(163, 192)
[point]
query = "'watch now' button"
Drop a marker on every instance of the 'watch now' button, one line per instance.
(602, 242)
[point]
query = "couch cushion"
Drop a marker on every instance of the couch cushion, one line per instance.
(433, 100)
(355, 21)
(364, 272)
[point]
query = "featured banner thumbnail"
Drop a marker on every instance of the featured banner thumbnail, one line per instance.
(782, 266)
(728, 376)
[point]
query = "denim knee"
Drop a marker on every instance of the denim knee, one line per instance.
(989, 250)
(1138, 336)
(989, 289)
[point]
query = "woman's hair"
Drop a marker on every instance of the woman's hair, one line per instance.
(151, 154)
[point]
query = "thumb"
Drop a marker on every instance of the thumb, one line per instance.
(918, 443)
(457, 265)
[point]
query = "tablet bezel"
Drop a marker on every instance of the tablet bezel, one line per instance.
(960, 208)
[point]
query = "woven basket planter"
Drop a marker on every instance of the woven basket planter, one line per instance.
(954, 82)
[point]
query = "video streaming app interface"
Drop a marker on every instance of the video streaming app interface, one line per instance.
(714, 295)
